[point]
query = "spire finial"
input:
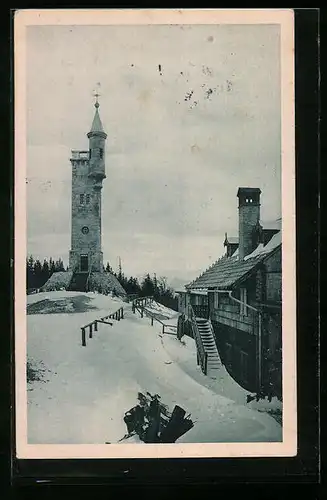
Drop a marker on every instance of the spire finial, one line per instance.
(97, 95)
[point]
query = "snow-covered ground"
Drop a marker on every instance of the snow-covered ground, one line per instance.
(84, 391)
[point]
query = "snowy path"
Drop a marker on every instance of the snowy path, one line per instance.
(89, 388)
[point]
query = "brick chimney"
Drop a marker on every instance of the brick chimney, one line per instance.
(248, 217)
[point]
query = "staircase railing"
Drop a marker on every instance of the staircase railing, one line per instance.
(202, 355)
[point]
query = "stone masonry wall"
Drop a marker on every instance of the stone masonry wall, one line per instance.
(85, 215)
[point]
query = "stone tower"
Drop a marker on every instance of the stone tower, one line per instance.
(88, 173)
(86, 271)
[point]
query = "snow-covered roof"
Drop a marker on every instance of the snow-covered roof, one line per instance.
(227, 272)
(271, 245)
(200, 291)
(272, 224)
(232, 240)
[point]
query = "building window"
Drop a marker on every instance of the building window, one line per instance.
(87, 199)
(101, 153)
(243, 299)
(81, 199)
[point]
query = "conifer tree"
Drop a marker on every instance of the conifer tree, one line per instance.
(45, 272)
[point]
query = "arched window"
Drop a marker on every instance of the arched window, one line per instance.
(101, 153)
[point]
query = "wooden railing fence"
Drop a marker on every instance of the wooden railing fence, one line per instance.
(140, 304)
(117, 315)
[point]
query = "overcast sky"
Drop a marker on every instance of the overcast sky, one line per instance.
(180, 140)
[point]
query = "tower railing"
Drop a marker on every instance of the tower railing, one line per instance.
(80, 155)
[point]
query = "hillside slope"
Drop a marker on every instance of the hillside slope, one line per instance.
(83, 392)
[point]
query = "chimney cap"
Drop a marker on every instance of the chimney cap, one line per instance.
(248, 190)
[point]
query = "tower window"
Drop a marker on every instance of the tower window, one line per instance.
(101, 153)
(87, 199)
(81, 199)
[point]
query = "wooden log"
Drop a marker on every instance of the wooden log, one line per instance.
(83, 337)
(103, 321)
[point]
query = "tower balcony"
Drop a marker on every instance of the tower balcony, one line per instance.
(80, 155)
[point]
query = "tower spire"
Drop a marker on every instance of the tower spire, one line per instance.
(96, 95)
(97, 128)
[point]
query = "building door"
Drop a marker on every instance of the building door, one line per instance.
(84, 263)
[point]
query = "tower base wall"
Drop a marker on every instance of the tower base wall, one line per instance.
(93, 263)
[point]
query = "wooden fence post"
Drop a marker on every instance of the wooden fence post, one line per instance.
(142, 312)
(83, 337)
(96, 326)
(122, 313)
(90, 334)
(163, 328)
(151, 320)
(133, 308)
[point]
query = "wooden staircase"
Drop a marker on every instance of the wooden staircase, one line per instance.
(78, 283)
(208, 341)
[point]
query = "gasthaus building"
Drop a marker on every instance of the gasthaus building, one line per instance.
(240, 296)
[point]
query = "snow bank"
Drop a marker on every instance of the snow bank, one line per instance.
(184, 354)
(58, 281)
(105, 283)
(156, 307)
(105, 303)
